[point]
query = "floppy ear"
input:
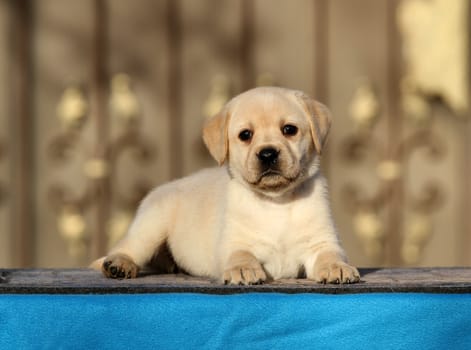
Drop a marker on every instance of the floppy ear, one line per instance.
(319, 120)
(215, 135)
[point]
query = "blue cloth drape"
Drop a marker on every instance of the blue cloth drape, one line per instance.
(243, 321)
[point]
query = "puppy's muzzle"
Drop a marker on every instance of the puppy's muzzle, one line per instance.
(268, 157)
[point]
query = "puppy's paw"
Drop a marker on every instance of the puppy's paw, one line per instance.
(330, 267)
(119, 266)
(336, 272)
(243, 268)
(244, 275)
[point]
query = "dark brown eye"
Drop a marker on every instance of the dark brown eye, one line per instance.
(289, 130)
(245, 135)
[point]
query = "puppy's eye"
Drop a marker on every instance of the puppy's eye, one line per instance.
(289, 130)
(245, 135)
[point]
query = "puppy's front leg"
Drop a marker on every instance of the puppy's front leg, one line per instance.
(243, 268)
(330, 267)
(146, 234)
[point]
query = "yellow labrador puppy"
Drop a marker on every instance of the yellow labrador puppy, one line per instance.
(263, 215)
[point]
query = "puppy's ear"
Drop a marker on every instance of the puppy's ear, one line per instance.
(320, 120)
(215, 135)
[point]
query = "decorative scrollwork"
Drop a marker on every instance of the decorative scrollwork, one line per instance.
(219, 94)
(72, 112)
(364, 108)
(434, 68)
(124, 103)
(72, 208)
(391, 170)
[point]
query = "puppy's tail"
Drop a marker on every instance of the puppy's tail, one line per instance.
(97, 264)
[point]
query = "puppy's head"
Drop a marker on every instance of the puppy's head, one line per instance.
(271, 138)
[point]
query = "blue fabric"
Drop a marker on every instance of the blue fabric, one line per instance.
(245, 321)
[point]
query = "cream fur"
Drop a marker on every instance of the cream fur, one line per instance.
(235, 225)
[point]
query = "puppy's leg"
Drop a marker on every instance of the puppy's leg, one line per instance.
(330, 267)
(136, 249)
(146, 234)
(243, 268)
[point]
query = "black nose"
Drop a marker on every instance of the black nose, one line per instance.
(268, 156)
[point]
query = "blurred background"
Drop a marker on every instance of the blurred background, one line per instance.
(102, 100)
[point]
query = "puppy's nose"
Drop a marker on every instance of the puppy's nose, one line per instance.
(268, 155)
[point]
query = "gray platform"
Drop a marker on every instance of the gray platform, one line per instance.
(85, 281)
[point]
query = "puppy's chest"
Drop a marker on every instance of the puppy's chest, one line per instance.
(280, 242)
(272, 228)
(279, 235)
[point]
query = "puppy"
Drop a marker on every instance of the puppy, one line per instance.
(262, 215)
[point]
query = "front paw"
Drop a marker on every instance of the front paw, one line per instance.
(243, 268)
(119, 266)
(244, 275)
(336, 272)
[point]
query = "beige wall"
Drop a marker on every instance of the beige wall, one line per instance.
(180, 55)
